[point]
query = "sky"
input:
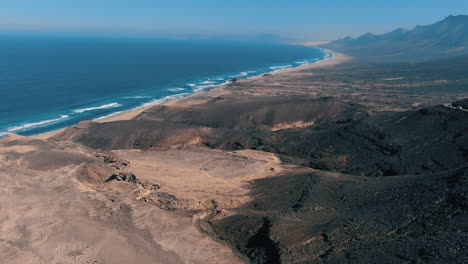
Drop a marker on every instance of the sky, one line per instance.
(299, 20)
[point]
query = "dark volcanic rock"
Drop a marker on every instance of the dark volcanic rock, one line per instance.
(379, 145)
(396, 144)
(343, 219)
(250, 234)
(462, 103)
(123, 176)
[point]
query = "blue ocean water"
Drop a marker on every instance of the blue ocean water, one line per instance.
(48, 83)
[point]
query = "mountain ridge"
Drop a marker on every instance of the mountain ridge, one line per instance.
(448, 37)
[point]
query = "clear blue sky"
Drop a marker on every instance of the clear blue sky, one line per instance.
(298, 19)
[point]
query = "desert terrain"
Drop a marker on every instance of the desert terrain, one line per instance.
(334, 162)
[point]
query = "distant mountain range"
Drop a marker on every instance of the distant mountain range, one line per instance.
(448, 37)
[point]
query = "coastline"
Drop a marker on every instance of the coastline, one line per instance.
(335, 59)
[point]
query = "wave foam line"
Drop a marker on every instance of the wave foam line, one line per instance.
(201, 88)
(110, 115)
(196, 89)
(34, 124)
(112, 105)
(176, 89)
(137, 97)
(207, 82)
(145, 105)
(163, 100)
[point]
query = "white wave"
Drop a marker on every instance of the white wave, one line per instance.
(163, 100)
(242, 74)
(148, 104)
(3, 134)
(207, 82)
(112, 105)
(191, 85)
(35, 124)
(327, 54)
(326, 57)
(195, 89)
(227, 82)
(201, 88)
(137, 97)
(280, 67)
(176, 89)
(106, 116)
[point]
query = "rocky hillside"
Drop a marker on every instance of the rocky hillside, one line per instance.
(278, 170)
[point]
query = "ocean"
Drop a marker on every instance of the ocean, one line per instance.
(49, 83)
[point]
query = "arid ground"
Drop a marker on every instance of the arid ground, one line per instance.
(336, 162)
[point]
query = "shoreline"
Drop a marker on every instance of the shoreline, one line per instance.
(335, 59)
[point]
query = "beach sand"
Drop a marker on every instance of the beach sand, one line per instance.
(127, 115)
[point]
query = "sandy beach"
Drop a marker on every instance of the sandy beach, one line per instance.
(129, 114)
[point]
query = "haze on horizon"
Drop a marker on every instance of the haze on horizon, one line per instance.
(299, 20)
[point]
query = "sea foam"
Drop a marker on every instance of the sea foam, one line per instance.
(176, 89)
(112, 105)
(243, 74)
(207, 82)
(137, 97)
(35, 124)
(163, 100)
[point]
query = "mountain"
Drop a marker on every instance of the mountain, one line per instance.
(448, 37)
